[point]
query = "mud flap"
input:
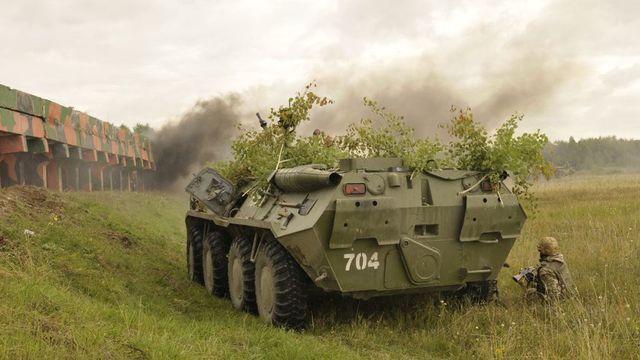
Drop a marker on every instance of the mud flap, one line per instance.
(490, 226)
(489, 218)
(361, 218)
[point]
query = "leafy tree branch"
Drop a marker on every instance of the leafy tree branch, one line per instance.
(256, 153)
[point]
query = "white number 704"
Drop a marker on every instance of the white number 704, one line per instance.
(361, 262)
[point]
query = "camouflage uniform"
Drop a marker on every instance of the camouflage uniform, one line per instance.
(552, 277)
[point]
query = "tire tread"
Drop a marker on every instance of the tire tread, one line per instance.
(219, 245)
(290, 307)
(196, 240)
(243, 246)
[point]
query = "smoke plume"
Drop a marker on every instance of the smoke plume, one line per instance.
(419, 89)
(202, 135)
(482, 66)
(424, 94)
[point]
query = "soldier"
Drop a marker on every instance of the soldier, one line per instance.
(552, 279)
(328, 140)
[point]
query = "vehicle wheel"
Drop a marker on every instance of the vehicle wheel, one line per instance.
(241, 273)
(482, 292)
(280, 287)
(194, 255)
(214, 264)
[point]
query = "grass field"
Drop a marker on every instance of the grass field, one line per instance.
(103, 276)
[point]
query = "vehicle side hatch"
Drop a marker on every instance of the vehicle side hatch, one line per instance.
(213, 190)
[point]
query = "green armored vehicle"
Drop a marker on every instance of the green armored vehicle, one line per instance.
(370, 228)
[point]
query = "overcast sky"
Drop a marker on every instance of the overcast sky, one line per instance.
(573, 67)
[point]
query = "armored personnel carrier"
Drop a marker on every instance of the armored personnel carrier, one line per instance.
(370, 228)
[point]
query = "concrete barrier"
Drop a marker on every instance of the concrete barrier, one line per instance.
(43, 143)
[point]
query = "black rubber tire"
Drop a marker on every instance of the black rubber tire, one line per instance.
(194, 255)
(214, 264)
(281, 294)
(241, 274)
(482, 292)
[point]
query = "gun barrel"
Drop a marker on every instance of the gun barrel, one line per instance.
(300, 179)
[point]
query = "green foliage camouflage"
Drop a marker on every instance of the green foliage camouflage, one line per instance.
(497, 154)
(253, 150)
(385, 135)
(393, 139)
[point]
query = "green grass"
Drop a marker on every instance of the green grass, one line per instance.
(104, 277)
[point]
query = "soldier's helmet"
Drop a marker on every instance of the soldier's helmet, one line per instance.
(548, 246)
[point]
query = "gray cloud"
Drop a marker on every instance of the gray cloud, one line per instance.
(622, 77)
(143, 61)
(494, 74)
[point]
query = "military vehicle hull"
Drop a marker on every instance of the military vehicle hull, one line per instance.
(373, 228)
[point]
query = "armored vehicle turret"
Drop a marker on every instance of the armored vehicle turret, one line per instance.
(369, 228)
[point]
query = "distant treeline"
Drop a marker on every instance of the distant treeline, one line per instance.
(594, 153)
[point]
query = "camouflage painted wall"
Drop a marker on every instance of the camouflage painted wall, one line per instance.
(47, 144)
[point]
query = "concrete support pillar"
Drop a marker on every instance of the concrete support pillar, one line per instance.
(98, 171)
(100, 176)
(71, 169)
(133, 179)
(71, 175)
(31, 166)
(58, 156)
(108, 178)
(2, 171)
(126, 179)
(88, 159)
(54, 175)
(97, 177)
(142, 175)
(85, 177)
(21, 177)
(22, 163)
(111, 171)
(120, 179)
(9, 170)
(42, 173)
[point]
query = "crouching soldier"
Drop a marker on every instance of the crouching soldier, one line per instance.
(551, 278)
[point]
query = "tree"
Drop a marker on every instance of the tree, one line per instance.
(393, 139)
(500, 153)
(144, 130)
(471, 147)
(253, 150)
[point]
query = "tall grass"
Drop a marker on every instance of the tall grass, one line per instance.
(104, 277)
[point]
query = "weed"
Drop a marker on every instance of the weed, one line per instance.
(104, 276)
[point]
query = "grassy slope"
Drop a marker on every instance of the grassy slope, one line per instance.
(104, 277)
